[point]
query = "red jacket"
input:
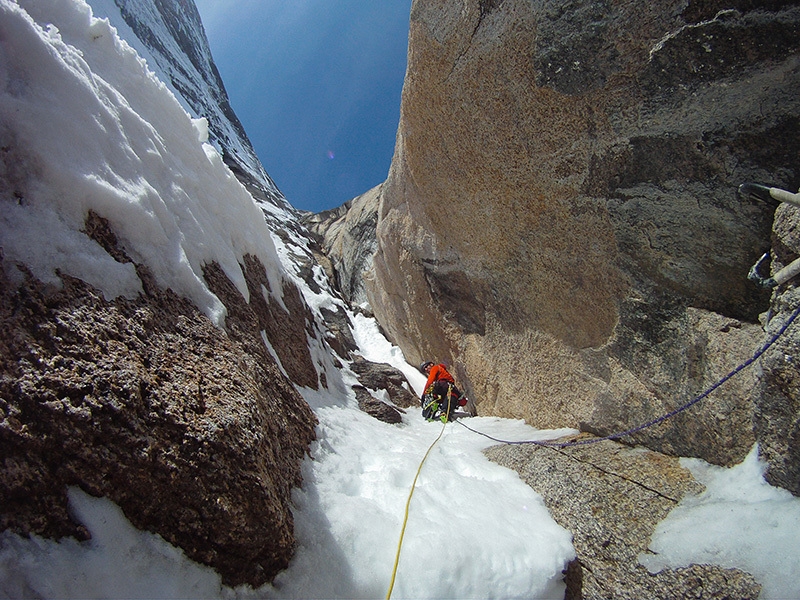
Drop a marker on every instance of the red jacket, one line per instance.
(438, 372)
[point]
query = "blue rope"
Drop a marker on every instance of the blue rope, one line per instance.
(662, 418)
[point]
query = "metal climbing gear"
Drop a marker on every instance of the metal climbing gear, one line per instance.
(770, 194)
(434, 407)
(430, 408)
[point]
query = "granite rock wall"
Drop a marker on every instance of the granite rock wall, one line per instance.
(560, 221)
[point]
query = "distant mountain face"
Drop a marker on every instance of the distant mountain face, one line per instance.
(172, 34)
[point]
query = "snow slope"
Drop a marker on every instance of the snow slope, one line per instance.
(170, 36)
(91, 128)
(85, 125)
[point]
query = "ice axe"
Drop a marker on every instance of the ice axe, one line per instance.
(765, 193)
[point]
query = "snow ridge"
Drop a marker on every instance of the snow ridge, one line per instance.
(171, 36)
(99, 131)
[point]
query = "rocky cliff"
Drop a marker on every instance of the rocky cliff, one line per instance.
(347, 239)
(151, 339)
(561, 221)
(777, 414)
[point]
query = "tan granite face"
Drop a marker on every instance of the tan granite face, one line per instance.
(563, 192)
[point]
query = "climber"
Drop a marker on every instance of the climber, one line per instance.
(441, 396)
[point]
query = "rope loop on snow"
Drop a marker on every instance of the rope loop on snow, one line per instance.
(766, 346)
(411, 493)
(769, 343)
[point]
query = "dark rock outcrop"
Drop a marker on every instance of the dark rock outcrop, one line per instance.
(560, 220)
(376, 408)
(192, 430)
(381, 376)
(246, 319)
(611, 498)
(340, 335)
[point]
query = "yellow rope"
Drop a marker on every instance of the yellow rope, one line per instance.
(408, 501)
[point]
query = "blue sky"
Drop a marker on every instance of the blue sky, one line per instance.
(316, 84)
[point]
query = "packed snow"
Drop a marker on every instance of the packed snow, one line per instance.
(169, 61)
(739, 521)
(475, 530)
(92, 128)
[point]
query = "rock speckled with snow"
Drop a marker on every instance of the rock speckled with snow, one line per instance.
(192, 430)
(382, 376)
(375, 407)
(611, 498)
(347, 234)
